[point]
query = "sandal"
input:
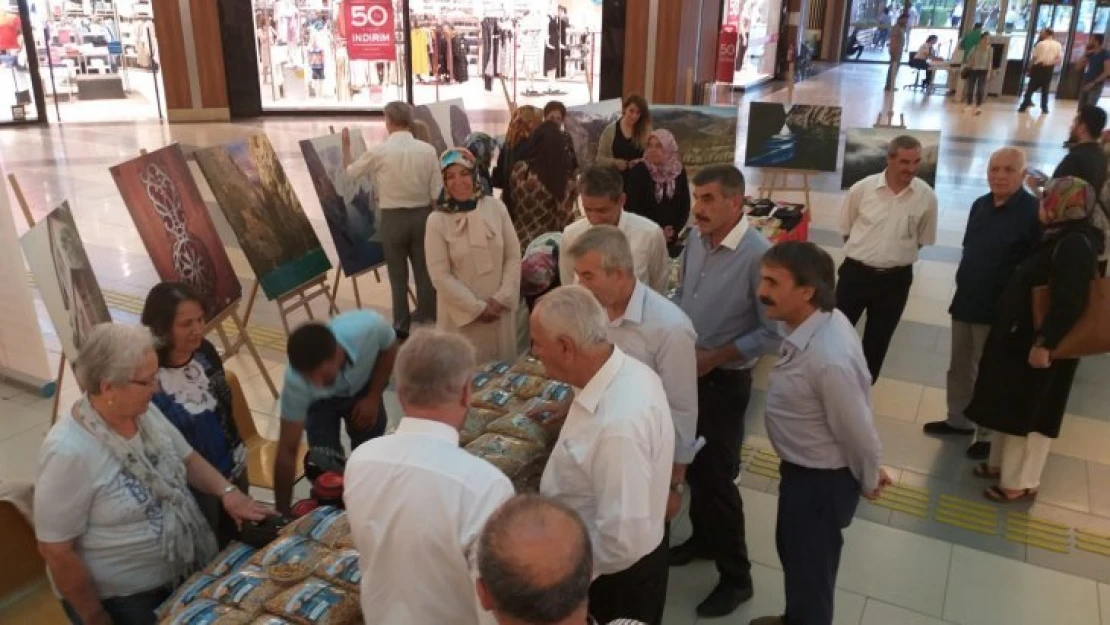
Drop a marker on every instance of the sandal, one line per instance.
(984, 471)
(997, 495)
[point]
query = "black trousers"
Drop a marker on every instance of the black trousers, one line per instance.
(1040, 78)
(638, 592)
(716, 511)
(814, 506)
(882, 294)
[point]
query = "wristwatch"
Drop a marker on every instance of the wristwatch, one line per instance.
(678, 489)
(230, 488)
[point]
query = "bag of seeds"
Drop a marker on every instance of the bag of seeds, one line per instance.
(510, 455)
(341, 568)
(247, 589)
(208, 612)
(230, 559)
(522, 385)
(496, 399)
(305, 525)
(497, 367)
(290, 550)
(270, 619)
(316, 602)
(483, 380)
(477, 420)
(187, 593)
(521, 426)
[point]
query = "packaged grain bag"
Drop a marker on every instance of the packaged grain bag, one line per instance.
(483, 380)
(305, 525)
(496, 399)
(208, 612)
(247, 589)
(477, 420)
(290, 550)
(522, 385)
(230, 559)
(341, 568)
(270, 619)
(510, 455)
(316, 602)
(521, 426)
(497, 367)
(331, 533)
(530, 365)
(187, 593)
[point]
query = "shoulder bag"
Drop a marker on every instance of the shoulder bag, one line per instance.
(1091, 333)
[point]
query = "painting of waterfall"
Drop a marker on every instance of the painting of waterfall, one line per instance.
(801, 137)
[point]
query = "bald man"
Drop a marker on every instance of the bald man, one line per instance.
(1001, 229)
(535, 563)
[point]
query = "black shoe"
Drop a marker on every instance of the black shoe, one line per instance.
(686, 553)
(942, 428)
(979, 450)
(1023, 108)
(724, 600)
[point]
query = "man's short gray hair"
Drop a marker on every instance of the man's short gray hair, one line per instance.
(610, 243)
(573, 312)
(433, 367)
(902, 142)
(399, 114)
(110, 355)
(1009, 152)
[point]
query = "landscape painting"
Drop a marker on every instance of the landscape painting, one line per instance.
(865, 153)
(69, 290)
(176, 229)
(447, 122)
(706, 135)
(801, 137)
(348, 205)
(264, 213)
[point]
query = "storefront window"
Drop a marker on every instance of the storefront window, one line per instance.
(871, 22)
(16, 88)
(757, 44)
(1018, 16)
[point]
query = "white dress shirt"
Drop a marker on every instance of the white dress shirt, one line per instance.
(885, 229)
(1047, 52)
(612, 462)
(655, 331)
(417, 503)
(649, 249)
(404, 170)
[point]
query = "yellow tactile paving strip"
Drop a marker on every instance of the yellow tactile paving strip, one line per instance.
(976, 516)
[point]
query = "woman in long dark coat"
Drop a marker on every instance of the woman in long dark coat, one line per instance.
(1021, 391)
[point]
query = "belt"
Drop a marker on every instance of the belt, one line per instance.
(877, 269)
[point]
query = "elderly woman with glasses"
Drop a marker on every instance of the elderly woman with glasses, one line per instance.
(114, 517)
(474, 261)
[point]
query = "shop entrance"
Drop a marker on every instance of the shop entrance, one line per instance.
(1072, 26)
(20, 88)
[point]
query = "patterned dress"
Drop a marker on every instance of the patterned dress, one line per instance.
(537, 211)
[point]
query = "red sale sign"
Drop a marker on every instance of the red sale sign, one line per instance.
(370, 30)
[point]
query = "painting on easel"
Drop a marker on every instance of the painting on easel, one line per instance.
(174, 224)
(263, 210)
(865, 153)
(446, 121)
(65, 279)
(348, 205)
(801, 137)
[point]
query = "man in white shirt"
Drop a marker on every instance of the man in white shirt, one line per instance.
(885, 219)
(417, 501)
(601, 189)
(407, 180)
(1046, 55)
(648, 327)
(612, 462)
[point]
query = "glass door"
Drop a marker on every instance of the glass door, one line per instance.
(20, 85)
(1058, 17)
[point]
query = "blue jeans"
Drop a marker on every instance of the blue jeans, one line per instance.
(324, 416)
(137, 609)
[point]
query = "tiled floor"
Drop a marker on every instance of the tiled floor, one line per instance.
(932, 552)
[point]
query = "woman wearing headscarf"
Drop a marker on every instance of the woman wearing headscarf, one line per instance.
(1022, 391)
(659, 189)
(482, 147)
(474, 261)
(114, 517)
(622, 142)
(523, 122)
(543, 185)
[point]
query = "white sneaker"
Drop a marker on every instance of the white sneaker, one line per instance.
(978, 111)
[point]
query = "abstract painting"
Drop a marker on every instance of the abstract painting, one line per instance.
(264, 213)
(174, 224)
(801, 137)
(69, 290)
(706, 135)
(865, 153)
(447, 122)
(348, 205)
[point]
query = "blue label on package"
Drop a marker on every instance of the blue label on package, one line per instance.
(313, 601)
(235, 556)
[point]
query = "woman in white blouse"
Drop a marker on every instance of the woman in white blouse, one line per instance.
(473, 258)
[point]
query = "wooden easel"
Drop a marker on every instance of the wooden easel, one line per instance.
(777, 181)
(301, 297)
(26, 209)
(890, 120)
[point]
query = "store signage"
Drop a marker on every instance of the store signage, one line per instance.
(727, 41)
(370, 29)
(732, 13)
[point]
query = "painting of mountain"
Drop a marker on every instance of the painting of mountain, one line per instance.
(264, 213)
(801, 137)
(865, 153)
(447, 122)
(348, 205)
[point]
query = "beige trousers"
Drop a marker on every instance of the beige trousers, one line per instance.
(1021, 459)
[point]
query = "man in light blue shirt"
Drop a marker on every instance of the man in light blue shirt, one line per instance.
(720, 278)
(820, 422)
(337, 372)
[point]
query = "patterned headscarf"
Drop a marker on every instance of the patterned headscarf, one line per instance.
(665, 173)
(524, 121)
(1067, 201)
(481, 146)
(448, 204)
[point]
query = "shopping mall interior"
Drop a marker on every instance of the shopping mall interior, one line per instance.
(930, 551)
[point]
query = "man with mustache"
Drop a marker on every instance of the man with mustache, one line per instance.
(885, 219)
(720, 277)
(820, 423)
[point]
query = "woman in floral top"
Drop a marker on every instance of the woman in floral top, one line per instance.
(543, 185)
(193, 392)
